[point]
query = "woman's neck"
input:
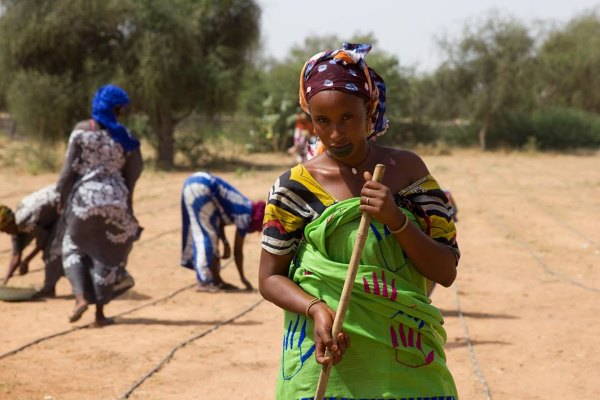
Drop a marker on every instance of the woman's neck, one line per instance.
(356, 164)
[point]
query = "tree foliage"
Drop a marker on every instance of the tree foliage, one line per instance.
(52, 55)
(499, 83)
(569, 62)
(175, 57)
(184, 56)
(491, 67)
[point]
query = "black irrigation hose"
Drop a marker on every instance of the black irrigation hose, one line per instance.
(474, 361)
(537, 258)
(543, 264)
(182, 344)
(39, 340)
(67, 331)
(534, 200)
(156, 210)
(158, 236)
(141, 243)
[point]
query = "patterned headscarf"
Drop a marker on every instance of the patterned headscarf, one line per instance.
(345, 70)
(105, 100)
(6, 216)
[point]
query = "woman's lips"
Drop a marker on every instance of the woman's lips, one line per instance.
(342, 150)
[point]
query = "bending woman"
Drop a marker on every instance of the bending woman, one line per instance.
(36, 219)
(309, 230)
(96, 187)
(208, 203)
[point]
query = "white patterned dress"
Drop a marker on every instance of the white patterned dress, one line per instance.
(96, 187)
(37, 218)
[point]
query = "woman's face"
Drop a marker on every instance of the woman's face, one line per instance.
(121, 111)
(10, 228)
(340, 120)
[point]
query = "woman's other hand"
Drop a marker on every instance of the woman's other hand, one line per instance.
(328, 348)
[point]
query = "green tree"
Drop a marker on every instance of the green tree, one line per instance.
(183, 56)
(52, 55)
(491, 66)
(174, 57)
(569, 62)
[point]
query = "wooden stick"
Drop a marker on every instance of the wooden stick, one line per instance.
(340, 314)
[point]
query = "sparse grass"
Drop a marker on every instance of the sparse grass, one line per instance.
(439, 148)
(31, 157)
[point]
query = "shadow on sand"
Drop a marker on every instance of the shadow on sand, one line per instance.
(172, 322)
(469, 314)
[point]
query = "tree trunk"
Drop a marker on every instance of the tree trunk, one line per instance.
(164, 126)
(483, 133)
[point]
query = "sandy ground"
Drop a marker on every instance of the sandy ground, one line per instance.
(528, 289)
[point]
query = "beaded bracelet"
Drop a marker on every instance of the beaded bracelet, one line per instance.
(403, 227)
(312, 303)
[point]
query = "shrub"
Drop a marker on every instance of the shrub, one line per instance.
(511, 130)
(566, 128)
(459, 134)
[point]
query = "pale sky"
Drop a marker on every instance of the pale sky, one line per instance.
(404, 28)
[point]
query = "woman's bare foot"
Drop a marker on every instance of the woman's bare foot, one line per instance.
(228, 287)
(207, 287)
(80, 308)
(100, 322)
(45, 292)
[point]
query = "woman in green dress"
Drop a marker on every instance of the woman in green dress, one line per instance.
(310, 226)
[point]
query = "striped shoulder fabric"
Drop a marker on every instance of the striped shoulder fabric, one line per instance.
(433, 210)
(295, 199)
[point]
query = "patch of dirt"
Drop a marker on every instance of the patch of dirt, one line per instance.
(527, 288)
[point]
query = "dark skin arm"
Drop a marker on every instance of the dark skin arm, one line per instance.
(238, 256)
(15, 260)
(68, 176)
(226, 246)
(132, 171)
(42, 236)
(434, 260)
(24, 265)
(276, 287)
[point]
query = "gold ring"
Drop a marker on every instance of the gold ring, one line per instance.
(367, 201)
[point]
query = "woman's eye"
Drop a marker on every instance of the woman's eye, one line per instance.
(347, 117)
(321, 120)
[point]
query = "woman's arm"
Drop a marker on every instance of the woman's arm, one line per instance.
(276, 287)
(68, 175)
(15, 260)
(226, 247)
(238, 256)
(434, 260)
(24, 265)
(132, 170)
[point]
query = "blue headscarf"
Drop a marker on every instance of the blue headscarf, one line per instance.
(105, 100)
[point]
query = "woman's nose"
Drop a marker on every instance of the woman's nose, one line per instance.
(338, 131)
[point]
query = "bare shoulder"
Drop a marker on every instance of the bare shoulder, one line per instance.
(83, 125)
(320, 166)
(404, 162)
(315, 161)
